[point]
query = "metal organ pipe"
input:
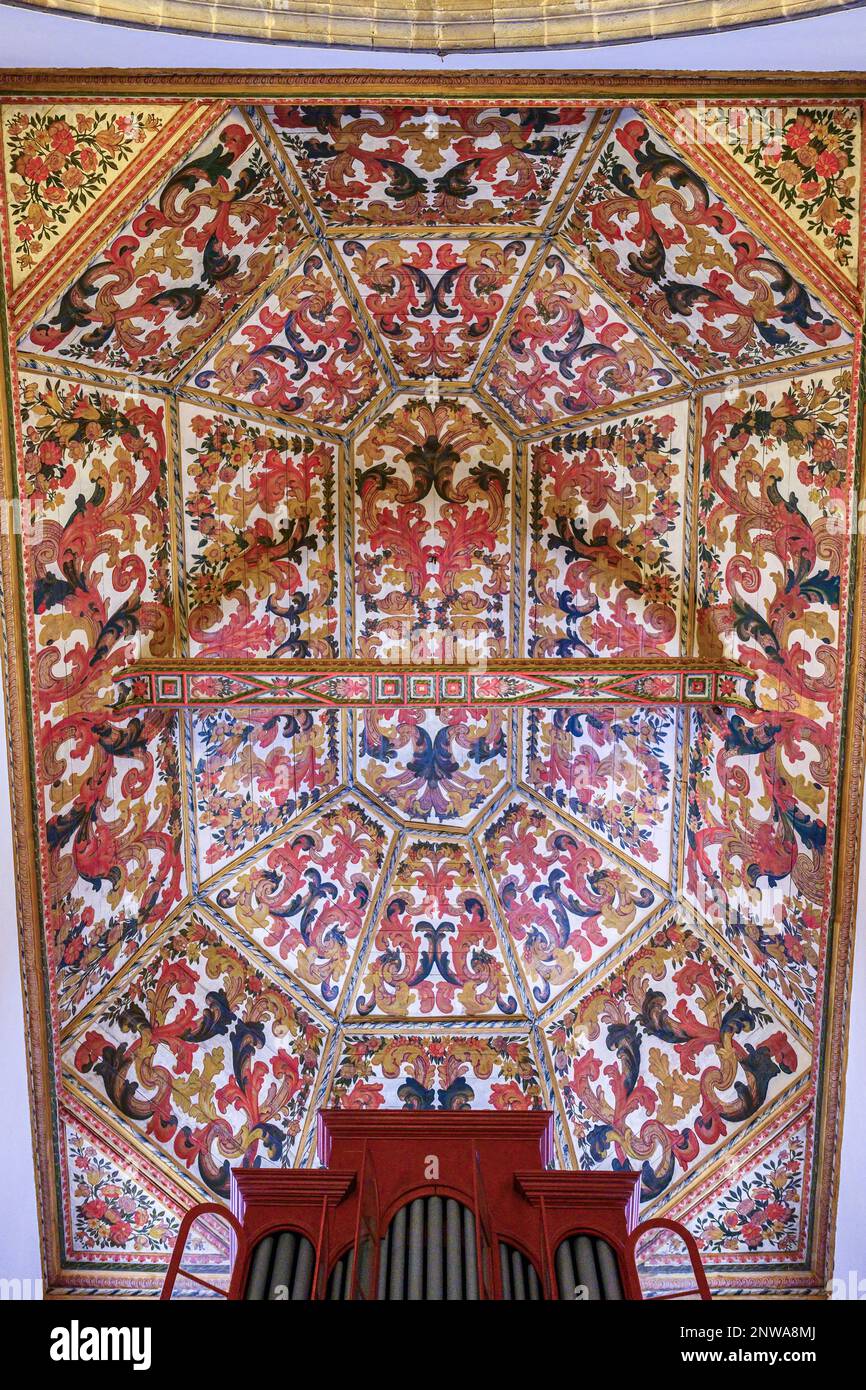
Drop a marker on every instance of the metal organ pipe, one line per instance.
(589, 1262)
(609, 1271)
(416, 1250)
(284, 1258)
(470, 1265)
(435, 1251)
(397, 1256)
(453, 1251)
(281, 1268)
(587, 1274)
(428, 1253)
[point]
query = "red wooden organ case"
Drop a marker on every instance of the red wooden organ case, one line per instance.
(427, 1205)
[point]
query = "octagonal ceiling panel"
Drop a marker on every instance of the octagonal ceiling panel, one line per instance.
(436, 380)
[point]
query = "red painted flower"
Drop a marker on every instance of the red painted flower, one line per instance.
(35, 169)
(827, 164)
(61, 137)
(798, 135)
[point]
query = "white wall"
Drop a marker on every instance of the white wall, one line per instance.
(30, 38)
(39, 40)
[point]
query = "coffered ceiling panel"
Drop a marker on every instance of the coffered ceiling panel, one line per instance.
(433, 378)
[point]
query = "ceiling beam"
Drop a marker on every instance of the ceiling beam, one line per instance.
(202, 682)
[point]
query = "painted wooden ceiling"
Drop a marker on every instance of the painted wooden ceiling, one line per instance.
(306, 378)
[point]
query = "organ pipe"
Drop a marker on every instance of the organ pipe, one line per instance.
(491, 1176)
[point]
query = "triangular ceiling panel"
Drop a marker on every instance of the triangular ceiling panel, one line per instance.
(116, 1204)
(801, 163)
(61, 159)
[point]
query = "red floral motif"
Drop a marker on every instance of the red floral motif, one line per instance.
(397, 166)
(810, 168)
(610, 768)
(433, 765)
(431, 1072)
(302, 354)
(60, 160)
(605, 530)
(432, 531)
(435, 303)
(761, 1211)
(308, 900)
(101, 585)
(654, 1065)
(703, 282)
(221, 1061)
(771, 531)
(435, 950)
(211, 235)
(262, 573)
(567, 352)
(256, 769)
(564, 901)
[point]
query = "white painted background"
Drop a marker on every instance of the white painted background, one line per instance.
(30, 39)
